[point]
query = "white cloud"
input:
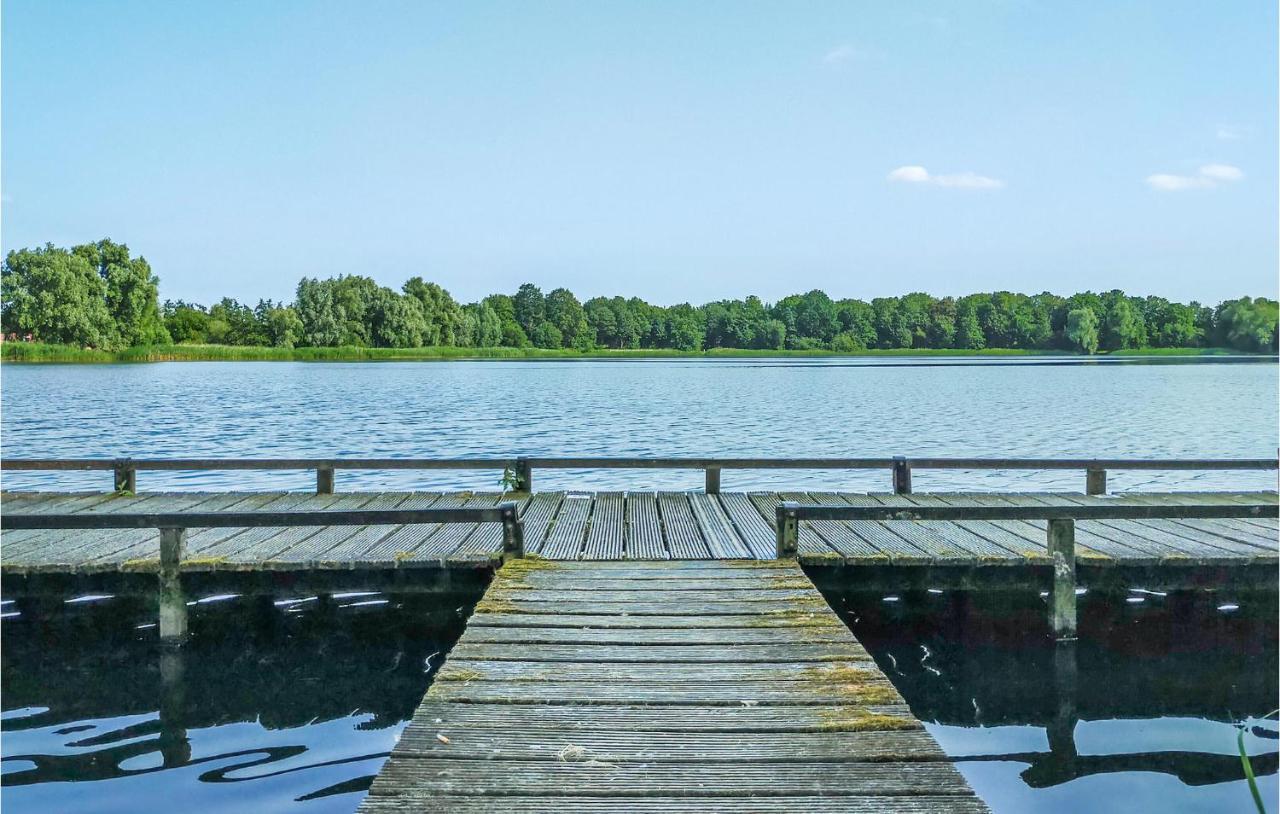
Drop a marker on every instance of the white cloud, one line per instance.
(843, 53)
(1227, 132)
(964, 180)
(1208, 176)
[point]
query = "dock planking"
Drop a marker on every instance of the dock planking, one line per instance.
(630, 526)
(570, 691)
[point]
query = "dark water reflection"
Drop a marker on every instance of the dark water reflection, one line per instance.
(276, 703)
(1142, 713)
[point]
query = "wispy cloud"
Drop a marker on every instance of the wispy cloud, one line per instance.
(842, 54)
(1229, 132)
(1207, 177)
(961, 180)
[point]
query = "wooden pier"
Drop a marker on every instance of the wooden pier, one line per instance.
(662, 686)
(646, 651)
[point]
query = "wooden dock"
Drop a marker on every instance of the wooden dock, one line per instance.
(662, 686)
(627, 526)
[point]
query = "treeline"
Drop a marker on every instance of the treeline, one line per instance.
(97, 296)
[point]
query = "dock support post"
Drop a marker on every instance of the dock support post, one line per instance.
(713, 480)
(1062, 549)
(1095, 482)
(173, 602)
(788, 530)
(512, 533)
(126, 476)
(524, 475)
(901, 476)
(324, 480)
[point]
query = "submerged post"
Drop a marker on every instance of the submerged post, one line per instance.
(1062, 598)
(1095, 482)
(788, 530)
(512, 533)
(713, 480)
(901, 476)
(324, 480)
(173, 602)
(126, 476)
(524, 475)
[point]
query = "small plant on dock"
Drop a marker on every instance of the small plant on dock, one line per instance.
(510, 481)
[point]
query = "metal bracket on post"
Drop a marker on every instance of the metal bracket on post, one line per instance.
(512, 533)
(901, 476)
(1062, 597)
(788, 530)
(324, 480)
(524, 475)
(1095, 482)
(173, 602)
(713, 480)
(126, 476)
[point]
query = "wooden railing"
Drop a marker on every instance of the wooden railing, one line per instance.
(1060, 538)
(173, 528)
(520, 469)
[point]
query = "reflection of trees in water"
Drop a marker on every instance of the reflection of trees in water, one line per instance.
(247, 661)
(973, 659)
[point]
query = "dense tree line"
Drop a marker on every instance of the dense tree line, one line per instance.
(96, 295)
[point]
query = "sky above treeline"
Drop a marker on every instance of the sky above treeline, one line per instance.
(674, 151)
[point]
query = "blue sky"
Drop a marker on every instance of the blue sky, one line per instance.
(671, 150)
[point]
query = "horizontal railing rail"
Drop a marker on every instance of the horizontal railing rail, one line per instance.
(521, 468)
(1060, 536)
(173, 528)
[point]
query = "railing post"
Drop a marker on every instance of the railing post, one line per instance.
(126, 476)
(524, 475)
(788, 530)
(1062, 599)
(901, 476)
(1095, 482)
(173, 602)
(324, 480)
(512, 533)
(713, 480)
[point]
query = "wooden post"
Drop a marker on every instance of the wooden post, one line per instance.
(324, 480)
(173, 602)
(1062, 599)
(1095, 482)
(713, 480)
(524, 475)
(126, 477)
(788, 530)
(901, 476)
(512, 533)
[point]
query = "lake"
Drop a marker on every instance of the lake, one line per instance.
(1025, 407)
(290, 704)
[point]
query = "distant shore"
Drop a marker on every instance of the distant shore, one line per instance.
(36, 352)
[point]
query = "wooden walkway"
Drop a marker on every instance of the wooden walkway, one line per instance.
(659, 687)
(630, 526)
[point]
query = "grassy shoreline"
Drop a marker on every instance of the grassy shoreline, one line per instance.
(35, 352)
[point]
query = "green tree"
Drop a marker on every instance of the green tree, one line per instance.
(283, 326)
(1082, 329)
(132, 292)
(547, 335)
(321, 318)
(56, 296)
(530, 307)
(186, 322)
(396, 320)
(565, 312)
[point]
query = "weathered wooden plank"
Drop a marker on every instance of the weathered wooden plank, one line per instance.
(717, 530)
(538, 515)
(752, 528)
(762, 592)
(644, 528)
(820, 675)
(606, 536)
(784, 652)
(621, 780)
(780, 634)
(778, 719)
(567, 536)
(813, 804)
(604, 607)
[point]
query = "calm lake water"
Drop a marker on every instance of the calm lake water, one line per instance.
(1141, 714)
(743, 407)
(287, 704)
